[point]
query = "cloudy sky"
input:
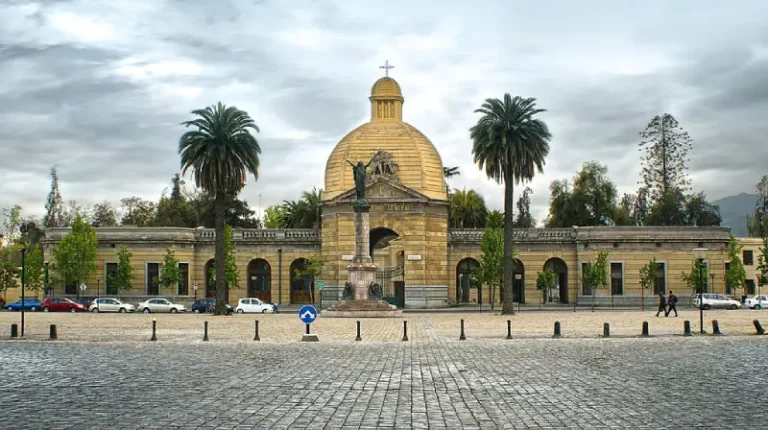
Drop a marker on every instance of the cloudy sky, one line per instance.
(98, 88)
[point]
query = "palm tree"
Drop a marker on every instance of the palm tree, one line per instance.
(510, 145)
(298, 214)
(495, 219)
(220, 152)
(313, 199)
(449, 172)
(467, 209)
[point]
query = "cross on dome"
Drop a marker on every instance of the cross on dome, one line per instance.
(386, 67)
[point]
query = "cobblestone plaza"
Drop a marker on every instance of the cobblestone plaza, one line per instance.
(432, 381)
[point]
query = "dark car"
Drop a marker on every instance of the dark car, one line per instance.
(208, 305)
(30, 304)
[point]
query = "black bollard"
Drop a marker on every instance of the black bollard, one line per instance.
(557, 329)
(405, 331)
(461, 336)
(606, 330)
(758, 327)
(205, 331)
(15, 331)
(686, 328)
(154, 330)
(307, 330)
(358, 338)
(645, 328)
(509, 329)
(53, 335)
(715, 328)
(256, 334)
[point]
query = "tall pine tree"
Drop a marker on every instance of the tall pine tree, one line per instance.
(53, 215)
(665, 163)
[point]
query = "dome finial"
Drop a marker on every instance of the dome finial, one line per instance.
(386, 67)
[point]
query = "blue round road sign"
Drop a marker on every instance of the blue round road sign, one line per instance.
(307, 314)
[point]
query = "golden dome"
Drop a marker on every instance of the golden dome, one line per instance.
(419, 165)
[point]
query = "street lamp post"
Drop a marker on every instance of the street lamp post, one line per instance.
(518, 277)
(195, 288)
(23, 303)
(712, 284)
(98, 281)
(700, 254)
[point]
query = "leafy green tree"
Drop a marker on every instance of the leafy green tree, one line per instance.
(757, 221)
(668, 209)
(237, 213)
(138, 212)
(221, 152)
(692, 278)
(231, 272)
(72, 210)
(53, 206)
(121, 280)
(314, 200)
(762, 265)
(624, 212)
(510, 145)
(13, 219)
(9, 276)
(545, 281)
(495, 219)
(735, 276)
(701, 213)
(594, 194)
(175, 210)
(75, 256)
(33, 269)
(467, 209)
(170, 274)
(313, 268)
(524, 217)
(273, 216)
(595, 275)
(665, 163)
(490, 270)
(648, 275)
(104, 215)
(562, 211)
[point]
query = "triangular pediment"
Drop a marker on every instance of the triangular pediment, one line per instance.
(383, 189)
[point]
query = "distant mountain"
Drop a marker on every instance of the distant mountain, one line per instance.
(734, 210)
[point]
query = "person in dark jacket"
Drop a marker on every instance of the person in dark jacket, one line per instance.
(662, 305)
(671, 304)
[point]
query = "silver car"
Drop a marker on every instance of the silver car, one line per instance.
(108, 304)
(160, 306)
(717, 301)
(756, 302)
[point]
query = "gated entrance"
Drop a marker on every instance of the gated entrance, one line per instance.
(392, 281)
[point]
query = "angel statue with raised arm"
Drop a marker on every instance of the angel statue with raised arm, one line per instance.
(359, 173)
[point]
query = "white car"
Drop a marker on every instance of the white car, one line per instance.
(252, 305)
(160, 305)
(108, 304)
(716, 301)
(756, 302)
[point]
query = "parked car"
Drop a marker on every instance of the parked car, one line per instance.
(208, 305)
(61, 304)
(85, 301)
(109, 304)
(756, 302)
(29, 304)
(160, 305)
(253, 305)
(716, 301)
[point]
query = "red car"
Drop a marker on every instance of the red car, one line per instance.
(61, 304)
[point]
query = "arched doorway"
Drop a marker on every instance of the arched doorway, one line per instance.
(386, 252)
(260, 280)
(210, 285)
(465, 282)
(518, 281)
(558, 266)
(303, 288)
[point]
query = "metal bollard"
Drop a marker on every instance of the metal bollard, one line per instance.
(15, 331)
(205, 331)
(461, 336)
(154, 330)
(53, 335)
(645, 329)
(256, 334)
(358, 338)
(606, 330)
(686, 328)
(557, 329)
(405, 331)
(509, 329)
(716, 328)
(758, 327)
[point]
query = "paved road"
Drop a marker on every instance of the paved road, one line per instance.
(535, 383)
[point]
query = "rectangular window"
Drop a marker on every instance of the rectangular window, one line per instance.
(728, 288)
(617, 279)
(748, 257)
(70, 289)
(750, 290)
(184, 282)
(660, 286)
(153, 278)
(584, 289)
(110, 288)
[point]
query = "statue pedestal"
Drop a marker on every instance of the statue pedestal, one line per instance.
(361, 276)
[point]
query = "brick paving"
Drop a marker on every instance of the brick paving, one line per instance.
(433, 381)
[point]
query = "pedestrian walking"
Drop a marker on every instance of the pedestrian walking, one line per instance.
(662, 305)
(671, 304)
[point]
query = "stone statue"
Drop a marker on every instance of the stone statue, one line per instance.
(348, 293)
(375, 292)
(359, 172)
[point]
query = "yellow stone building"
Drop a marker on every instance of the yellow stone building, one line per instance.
(422, 262)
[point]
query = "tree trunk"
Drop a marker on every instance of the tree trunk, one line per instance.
(507, 306)
(219, 257)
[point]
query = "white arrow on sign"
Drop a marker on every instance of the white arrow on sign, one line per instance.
(308, 315)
